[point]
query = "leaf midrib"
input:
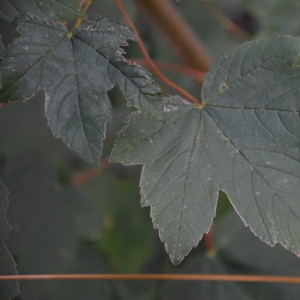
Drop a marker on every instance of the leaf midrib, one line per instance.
(111, 62)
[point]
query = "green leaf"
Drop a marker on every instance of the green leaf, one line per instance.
(245, 142)
(76, 70)
(57, 10)
(8, 289)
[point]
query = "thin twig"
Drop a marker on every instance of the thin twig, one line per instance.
(176, 31)
(192, 72)
(82, 178)
(150, 63)
(198, 277)
(88, 3)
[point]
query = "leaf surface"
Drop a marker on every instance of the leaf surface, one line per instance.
(245, 142)
(8, 289)
(76, 70)
(57, 10)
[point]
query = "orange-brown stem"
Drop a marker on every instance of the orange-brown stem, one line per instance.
(192, 72)
(208, 241)
(82, 178)
(176, 31)
(86, 176)
(150, 63)
(87, 3)
(198, 277)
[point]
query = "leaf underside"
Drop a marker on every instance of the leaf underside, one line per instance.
(76, 70)
(8, 289)
(56, 10)
(245, 142)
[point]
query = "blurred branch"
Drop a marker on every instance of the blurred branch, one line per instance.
(176, 31)
(86, 176)
(192, 72)
(149, 61)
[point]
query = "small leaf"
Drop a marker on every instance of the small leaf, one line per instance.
(245, 142)
(8, 289)
(57, 10)
(76, 70)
